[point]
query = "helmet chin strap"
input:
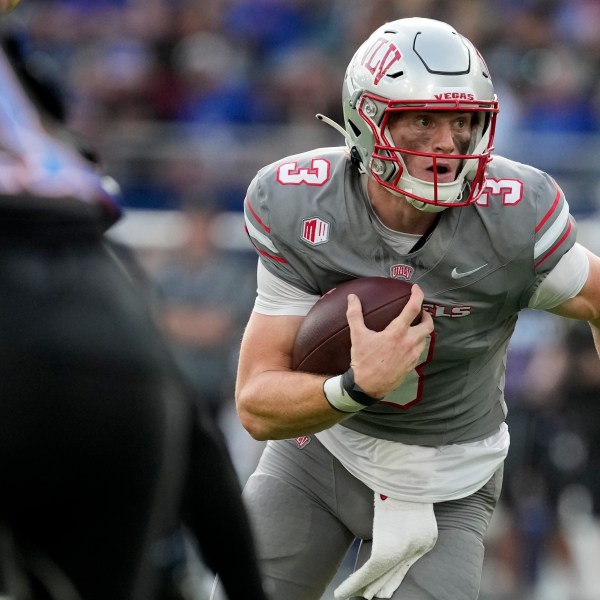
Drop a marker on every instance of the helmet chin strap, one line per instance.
(447, 193)
(418, 204)
(424, 206)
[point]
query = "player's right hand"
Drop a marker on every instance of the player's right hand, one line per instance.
(382, 360)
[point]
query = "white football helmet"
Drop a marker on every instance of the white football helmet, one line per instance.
(418, 64)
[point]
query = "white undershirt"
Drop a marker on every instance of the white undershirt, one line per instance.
(417, 473)
(410, 472)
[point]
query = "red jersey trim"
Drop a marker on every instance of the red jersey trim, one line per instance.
(258, 219)
(550, 212)
(270, 256)
(556, 246)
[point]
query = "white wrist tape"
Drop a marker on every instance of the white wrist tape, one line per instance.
(337, 396)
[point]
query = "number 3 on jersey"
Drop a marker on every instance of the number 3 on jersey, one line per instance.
(317, 174)
(510, 190)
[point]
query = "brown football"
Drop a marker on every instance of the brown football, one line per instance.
(322, 344)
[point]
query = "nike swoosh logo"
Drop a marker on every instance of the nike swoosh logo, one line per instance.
(456, 275)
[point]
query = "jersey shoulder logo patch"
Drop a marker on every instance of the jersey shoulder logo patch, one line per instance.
(315, 231)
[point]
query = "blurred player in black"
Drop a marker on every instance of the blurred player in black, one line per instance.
(101, 452)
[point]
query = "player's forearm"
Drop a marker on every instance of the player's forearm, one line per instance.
(283, 404)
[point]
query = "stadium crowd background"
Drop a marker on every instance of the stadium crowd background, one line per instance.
(185, 99)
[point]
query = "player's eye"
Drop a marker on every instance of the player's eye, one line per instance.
(462, 122)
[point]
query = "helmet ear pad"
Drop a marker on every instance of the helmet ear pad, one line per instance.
(418, 64)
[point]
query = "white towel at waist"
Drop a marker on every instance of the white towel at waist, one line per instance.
(402, 533)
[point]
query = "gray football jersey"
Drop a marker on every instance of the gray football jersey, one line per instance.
(310, 221)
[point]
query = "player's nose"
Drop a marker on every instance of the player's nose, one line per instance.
(443, 140)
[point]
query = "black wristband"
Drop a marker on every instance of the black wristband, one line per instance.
(355, 391)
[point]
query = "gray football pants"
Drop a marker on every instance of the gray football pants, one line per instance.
(307, 509)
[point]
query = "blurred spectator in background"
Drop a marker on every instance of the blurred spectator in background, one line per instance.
(215, 86)
(577, 453)
(551, 530)
(205, 293)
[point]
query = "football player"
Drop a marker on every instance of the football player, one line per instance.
(102, 456)
(405, 450)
